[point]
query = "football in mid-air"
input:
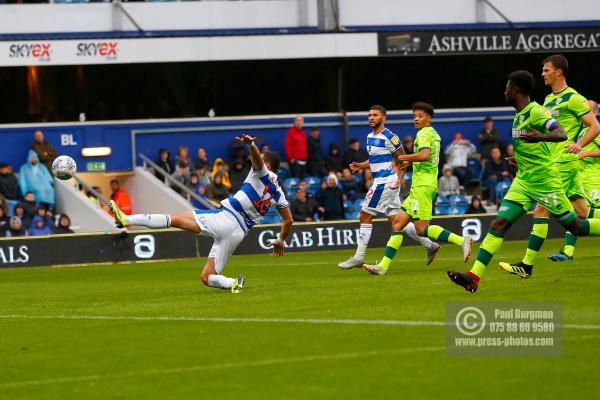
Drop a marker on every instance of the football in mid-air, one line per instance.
(64, 167)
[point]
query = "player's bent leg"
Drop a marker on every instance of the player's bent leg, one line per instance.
(364, 235)
(185, 221)
(440, 234)
(218, 257)
(431, 247)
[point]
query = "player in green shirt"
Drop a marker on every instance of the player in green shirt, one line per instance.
(571, 110)
(589, 172)
(536, 180)
(417, 207)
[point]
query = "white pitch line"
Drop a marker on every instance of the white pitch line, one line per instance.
(314, 321)
(260, 363)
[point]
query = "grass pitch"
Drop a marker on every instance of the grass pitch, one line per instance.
(151, 330)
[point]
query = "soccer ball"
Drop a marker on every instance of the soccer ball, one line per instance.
(64, 167)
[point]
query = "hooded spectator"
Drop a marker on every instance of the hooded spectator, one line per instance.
(120, 197)
(16, 228)
(331, 201)
(39, 227)
(334, 161)
(238, 174)
(46, 153)
(64, 225)
(448, 184)
(219, 167)
(48, 215)
(24, 217)
(217, 191)
(164, 161)
(35, 178)
(4, 222)
(9, 185)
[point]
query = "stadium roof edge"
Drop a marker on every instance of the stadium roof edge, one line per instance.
(291, 30)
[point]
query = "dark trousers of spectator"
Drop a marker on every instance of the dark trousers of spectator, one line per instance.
(490, 184)
(463, 175)
(297, 170)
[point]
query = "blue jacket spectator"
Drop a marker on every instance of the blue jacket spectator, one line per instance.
(34, 177)
(39, 227)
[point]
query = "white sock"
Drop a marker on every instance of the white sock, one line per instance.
(364, 235)
(149, 220)
(220, 281)
(412, 233)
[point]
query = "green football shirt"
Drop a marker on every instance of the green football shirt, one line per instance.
(567, 107)
(425, 173)
(534, 159)
(590, 164)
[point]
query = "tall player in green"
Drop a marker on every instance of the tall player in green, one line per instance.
(418, 205)
(590, 177)
(536, 181)
(571, 110)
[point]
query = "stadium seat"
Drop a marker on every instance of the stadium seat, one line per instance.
(501, 188)
(442, 205)
(10, 204)
(290, 184)
(459, 204)
(313, 181)
(358, 178)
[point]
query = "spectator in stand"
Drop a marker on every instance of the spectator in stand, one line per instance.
(200, 190)
(30, 204)
(303, 207)
(164, 161)
(3, 204)
(183, 156)
(16, 228)
(350, 188)
(24, 217)
(120, 197)
(9, 185)
(488, 137)
(355, 153)
(409, 147)
(204, 177)
(334, 161)
(46, 153)
(34, 177)
(457, 153)
(296, 148)
(510, 161)
(42, 212)
(264, 148)
(194, 181)
(448, 183)
(4, 222)
(64, 225)
(331, 200)
(217, 190)
(39, 227)
(315, 166)
(50, 218)
(238, 174)
(181, 175)
(203, 161)
(219, 168)
(239, 153)
(476, 207)
(496, 169)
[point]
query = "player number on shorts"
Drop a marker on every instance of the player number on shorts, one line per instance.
(551, 199)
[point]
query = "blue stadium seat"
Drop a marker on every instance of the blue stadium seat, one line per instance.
(459, 204)
(358, 178)
(501, 188)
(313, 181)
(349, 209)
(442, 205)
(271, 217)
(10, 204)
(290, 184)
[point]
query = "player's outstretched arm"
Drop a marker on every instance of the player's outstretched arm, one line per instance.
(286, 227)
(556, 134)
(586, 154)
(422, 155)
(257, 162)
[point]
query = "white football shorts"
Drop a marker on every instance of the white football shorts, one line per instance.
(382, 199)
(225, 229)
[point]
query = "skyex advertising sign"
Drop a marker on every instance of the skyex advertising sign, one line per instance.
(417, 43)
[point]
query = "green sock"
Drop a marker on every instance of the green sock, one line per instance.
(591, 227)
(570, 241)
(536, 239)
(440, 234)
(391, 248)
(594, 213)
(491, 244)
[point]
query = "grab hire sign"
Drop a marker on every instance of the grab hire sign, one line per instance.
(419, 43)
